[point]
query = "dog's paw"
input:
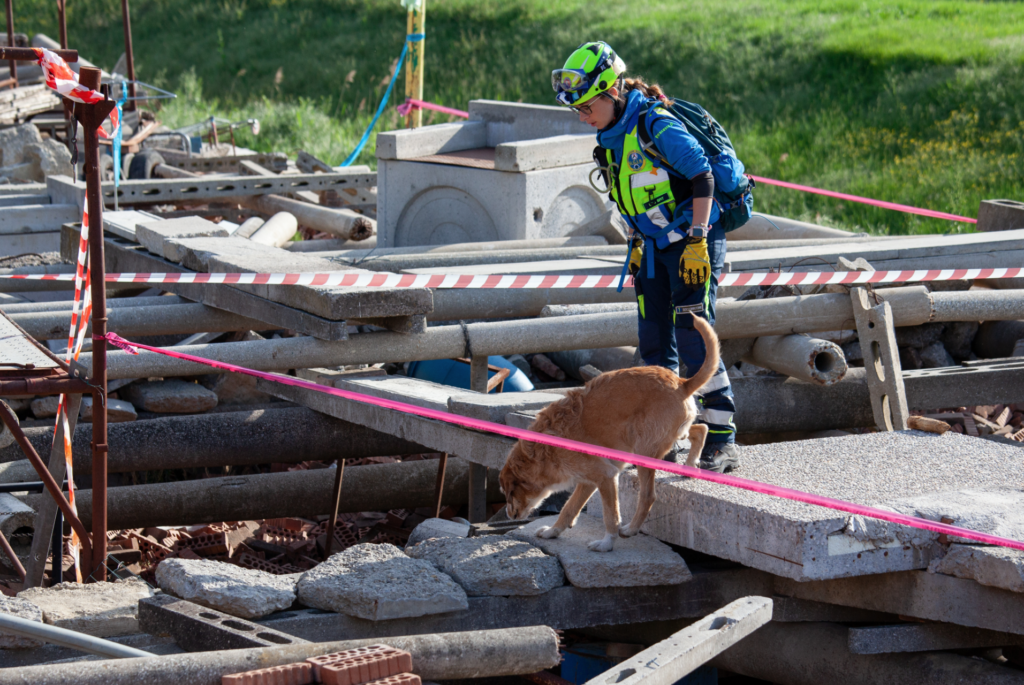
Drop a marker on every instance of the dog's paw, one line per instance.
(627, 531)
(548, 532)
(605, 544)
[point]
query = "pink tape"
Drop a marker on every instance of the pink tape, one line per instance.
(865, 200)
(615, 455)
(411, 104)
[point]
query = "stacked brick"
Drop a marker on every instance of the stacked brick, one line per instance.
(1003, 420)
(374, 665)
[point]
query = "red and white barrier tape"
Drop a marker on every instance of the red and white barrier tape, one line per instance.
(605, 452)
(497, 281)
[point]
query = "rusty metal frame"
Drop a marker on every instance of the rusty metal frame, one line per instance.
(13, 80)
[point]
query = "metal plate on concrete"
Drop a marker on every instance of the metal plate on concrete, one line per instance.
(18, 352)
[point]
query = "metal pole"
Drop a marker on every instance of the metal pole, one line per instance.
(338, 476)
(414, 63)
(129, 56)
(442, 465)
(62, 20)
(478, 472)
(68, 638)
(15, 561)
(10, 41)
(93, 116)
(57, 550)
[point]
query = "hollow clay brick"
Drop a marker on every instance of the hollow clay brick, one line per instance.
(362, 665)
(292, 674)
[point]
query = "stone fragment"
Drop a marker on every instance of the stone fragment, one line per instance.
(237, 388)
(637, 561)
(242, 592)
(153, 234)
(918, 336)
(97, 609)
(852, 352)
(935, 356)
(958, 336)
(17, 404)
(379, 582)
(14, 140)
(22, 608)
(995, 566)
(437, 528)
(172, 396)
(492, 565)
(45, 407)
(118, 411)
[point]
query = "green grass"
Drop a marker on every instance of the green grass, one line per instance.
(916, 101)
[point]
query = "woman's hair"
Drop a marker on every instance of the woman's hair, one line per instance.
(650, 90)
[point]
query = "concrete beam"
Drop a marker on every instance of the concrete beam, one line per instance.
(677, 656)
(438, 139)
(359, 254)
(112, 303)
(925, 637)
(544, 153)
(137, 321)
(37, 218)
(498, 257)
(770, 227)
(340, 222)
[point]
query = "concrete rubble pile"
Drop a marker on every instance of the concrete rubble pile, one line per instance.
(223, 487)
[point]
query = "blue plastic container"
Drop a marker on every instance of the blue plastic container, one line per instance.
(451, 372)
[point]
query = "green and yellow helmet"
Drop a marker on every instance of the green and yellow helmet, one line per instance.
(591, 69)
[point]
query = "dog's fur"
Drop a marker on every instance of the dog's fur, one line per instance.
(641, 410)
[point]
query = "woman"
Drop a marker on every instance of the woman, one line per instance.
(677, 250)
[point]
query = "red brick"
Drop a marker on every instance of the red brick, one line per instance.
(399, 679)
(292, 674)
(362, 665)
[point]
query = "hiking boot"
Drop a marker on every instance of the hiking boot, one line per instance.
(721, 457)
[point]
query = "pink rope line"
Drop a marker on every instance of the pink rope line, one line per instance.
(865, 200)
(411, 104)
(573, 445)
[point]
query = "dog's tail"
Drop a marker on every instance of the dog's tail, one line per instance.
(704, 374)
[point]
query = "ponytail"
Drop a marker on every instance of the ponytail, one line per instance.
(650, 90)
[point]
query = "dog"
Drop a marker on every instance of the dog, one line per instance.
(642, 410)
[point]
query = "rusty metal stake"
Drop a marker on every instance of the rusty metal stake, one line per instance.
(129, 55)
(15, 561)
(62, 20)
(338, 476)
(11, 421)
(13, 79)
(442, 464)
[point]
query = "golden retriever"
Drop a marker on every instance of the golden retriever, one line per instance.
(641, 410)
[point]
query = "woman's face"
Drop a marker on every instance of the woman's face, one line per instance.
(599, 111)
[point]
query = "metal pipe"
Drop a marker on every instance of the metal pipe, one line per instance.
(42, 386)
(44, 632)
(448, 656)
(129, 55)
(57, 550)
(11, 421)
(29, 55)
(62, 22)
(9, 551)
(138, 321)
(339, 476)
(13, 65)
(807, 359)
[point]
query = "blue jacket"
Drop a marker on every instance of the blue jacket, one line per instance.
(680, 148)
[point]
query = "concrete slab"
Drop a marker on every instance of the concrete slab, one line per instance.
(805, 542)
(379, 582)
(496, 406)
(492, 565)
(925, 637)
(173, 396)
(152, 235)
(431, 140)
(635, 562)
(242, 592)
(194, 253)
(97, 609)
(993, 566)
(20, 608)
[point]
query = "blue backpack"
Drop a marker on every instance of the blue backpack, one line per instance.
(733, 189)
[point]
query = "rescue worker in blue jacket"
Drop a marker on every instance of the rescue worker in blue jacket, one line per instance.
(675, 270)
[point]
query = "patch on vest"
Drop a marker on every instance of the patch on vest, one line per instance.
(691, 309)
(635, 160)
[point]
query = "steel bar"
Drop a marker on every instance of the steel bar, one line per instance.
(50, 385)
(442, 464)
(339, 475)
(11, 421)
(68, 638)
(62, 21)
(15, 561)
(129, 55)
(201, 190)
(9, 4)
(29, 55)
(448, 656)
(57, 550)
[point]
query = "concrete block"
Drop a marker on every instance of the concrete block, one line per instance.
(97, 609)
(635, 562)
(236, 388)
(544, 153)
(492, 565)
(379, 582)
(675, 657)
(881, 361)
(511, 121)
(437, 528)
(242, 592)
(152, 235)
(803, 542)
(172, 396)
(118, 411)
(925, 637)
(992, 566)
(21, 608)
(431, 140)
(45, 407)
(999, 215)
(197, 628)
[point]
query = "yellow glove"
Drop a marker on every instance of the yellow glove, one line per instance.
(695, 266)
(636, 255)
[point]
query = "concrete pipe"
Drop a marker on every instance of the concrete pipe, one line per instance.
(815, 653)
(450, 656)
(238, 438)
(248, 227)
(589, 308)
(136, 321)
(470, 304)
(456, 259)
(343, 223)
(331, 245)
(997, 339)
(978, 305)
(277, 231)
(769, 227)
(374, 487)
(112, 303)
(801, 357)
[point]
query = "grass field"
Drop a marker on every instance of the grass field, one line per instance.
(915, 101)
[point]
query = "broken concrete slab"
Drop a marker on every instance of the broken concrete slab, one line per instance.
(492, 565)
(242, 592)
(634, 562)
(194, 253)
(172, 396)
(14, 514)
(22, 608)
(994, 566)
(97, 609)
(925, 637)
(437, 528)
(118, 411)
(805, 542)
(152, 235)
(379, 582)
(45, 407)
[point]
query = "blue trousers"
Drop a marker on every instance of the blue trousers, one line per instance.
(667, 335)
